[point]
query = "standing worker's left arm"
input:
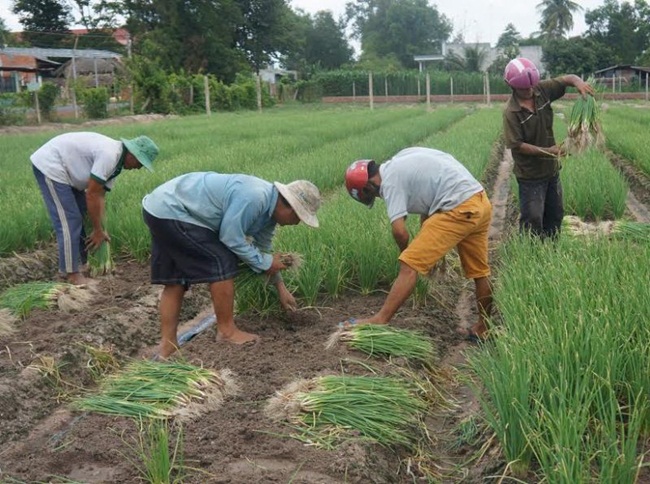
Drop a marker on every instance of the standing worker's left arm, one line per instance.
(573, 80)
(95, 202)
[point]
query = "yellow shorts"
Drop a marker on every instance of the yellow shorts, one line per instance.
(465, 227)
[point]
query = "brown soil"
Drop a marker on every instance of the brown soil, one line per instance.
(43, 437)
(46, 363)
(136, 118)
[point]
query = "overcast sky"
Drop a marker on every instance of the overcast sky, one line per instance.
(478, 20)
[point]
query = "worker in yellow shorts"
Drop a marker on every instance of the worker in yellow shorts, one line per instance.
(454, 210)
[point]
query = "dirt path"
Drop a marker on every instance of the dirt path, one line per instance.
(136, 118)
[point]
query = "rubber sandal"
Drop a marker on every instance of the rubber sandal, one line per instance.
(473, 338)
(349, 323)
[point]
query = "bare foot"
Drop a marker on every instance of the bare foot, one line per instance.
(166, 349)
(78, 279)
(369, 321)
(238, 337)
(477, 333)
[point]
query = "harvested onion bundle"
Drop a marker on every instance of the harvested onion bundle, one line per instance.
(584, 130)
(101, 261)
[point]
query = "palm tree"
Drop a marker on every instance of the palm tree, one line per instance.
(557, 17)
(471, 60)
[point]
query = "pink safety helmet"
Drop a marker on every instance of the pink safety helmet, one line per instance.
(521, 73)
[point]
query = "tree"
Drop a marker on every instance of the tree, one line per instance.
(42, 21)
(578, 55)
(471, 60)
(557, 17)
(319, 42)
(265, 34)
(401, 27)
(508, 46)
(4, 33)
(197, 36)
(326, 44)
(510, 38)
(623, 27)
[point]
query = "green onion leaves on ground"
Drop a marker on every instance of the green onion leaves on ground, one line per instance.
(151, 389)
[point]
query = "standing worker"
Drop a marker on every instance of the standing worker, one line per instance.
(74, 171)
(202, 224)
(454, 212)
(528, 129)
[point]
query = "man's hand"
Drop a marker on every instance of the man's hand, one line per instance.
(584, 89)
(95, 240)
(276, 265)
(287, 300)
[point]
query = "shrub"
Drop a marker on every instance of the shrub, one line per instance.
(47, 95)
(12, 111)
(96, 103)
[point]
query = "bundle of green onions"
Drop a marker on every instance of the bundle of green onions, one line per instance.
(152, 389)
(619, 229)
(375, 339)
(636, 231)
(22, 299)
(101, 261)
(328, 409)
(584, 128)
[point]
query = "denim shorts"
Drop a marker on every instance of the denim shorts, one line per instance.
(185, 254)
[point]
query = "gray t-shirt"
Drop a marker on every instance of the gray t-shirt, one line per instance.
(424, 181)
(73, 158)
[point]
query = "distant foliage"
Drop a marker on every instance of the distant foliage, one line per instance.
(401, 83)
(47, 95)
(12, 110)
(96, 103)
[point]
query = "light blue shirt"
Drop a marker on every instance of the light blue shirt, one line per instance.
(236, 207)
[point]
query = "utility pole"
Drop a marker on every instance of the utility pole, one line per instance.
(128, 53)
(74, 78)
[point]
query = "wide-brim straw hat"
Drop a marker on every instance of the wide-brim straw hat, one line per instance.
(144, 149)
(304, 198)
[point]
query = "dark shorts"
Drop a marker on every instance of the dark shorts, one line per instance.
(184, 253)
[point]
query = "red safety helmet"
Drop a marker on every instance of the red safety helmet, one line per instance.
(521, 73)
(356, 180)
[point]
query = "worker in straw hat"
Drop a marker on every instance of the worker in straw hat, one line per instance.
(528, 130)
(74, 171)
(202, 224)
(454, 212)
